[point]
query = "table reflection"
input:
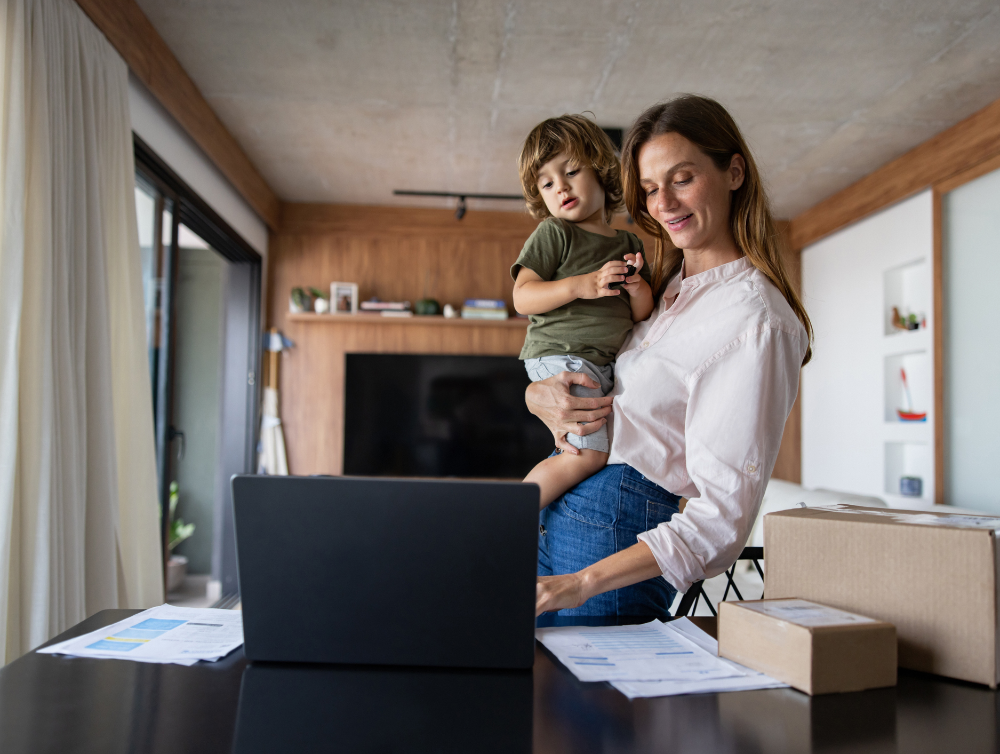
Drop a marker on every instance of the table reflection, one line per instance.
(922, 713)
(305, 709)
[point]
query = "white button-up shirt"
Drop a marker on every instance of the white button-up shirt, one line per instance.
(702, 392)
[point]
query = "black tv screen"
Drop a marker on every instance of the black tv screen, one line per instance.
(439, 416)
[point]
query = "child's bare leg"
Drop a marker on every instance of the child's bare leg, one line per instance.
(557, 474)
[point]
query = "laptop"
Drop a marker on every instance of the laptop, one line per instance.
(387, 571)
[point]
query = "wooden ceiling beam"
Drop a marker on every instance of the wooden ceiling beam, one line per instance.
(955, 150)
(149, 58)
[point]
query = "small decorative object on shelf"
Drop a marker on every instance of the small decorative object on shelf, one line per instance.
(907, 414)
(484, 308)
(321, 303)
(387, 308)
(344, 298)
(299, 301)
(909, 322)
(375, 305)
(450, 312)
(911, 486)
(427, 307)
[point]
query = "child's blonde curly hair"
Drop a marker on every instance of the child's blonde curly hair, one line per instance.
(581, 139)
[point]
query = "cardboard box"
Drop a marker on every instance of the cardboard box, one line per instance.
(814, 648)
(933, 576)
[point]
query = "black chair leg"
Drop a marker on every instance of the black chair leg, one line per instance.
(689, 602)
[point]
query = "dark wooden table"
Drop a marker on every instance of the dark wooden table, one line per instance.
(57, 704)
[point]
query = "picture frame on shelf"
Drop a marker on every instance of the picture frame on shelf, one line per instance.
(343, 298)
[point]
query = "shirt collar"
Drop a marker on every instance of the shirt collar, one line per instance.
(716, 274)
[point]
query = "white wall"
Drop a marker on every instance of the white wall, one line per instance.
(972, 352)
(160, 131)
(852, 439)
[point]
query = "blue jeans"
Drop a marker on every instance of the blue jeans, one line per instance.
(597, 518)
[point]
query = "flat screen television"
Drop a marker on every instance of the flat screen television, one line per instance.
(439, 416)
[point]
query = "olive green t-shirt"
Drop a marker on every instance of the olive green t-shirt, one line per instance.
(592, 329)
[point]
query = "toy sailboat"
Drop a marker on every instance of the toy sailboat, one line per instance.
(909, 415)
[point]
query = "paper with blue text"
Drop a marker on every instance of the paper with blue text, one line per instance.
(164, 634)
(648, 652)
(750, 680)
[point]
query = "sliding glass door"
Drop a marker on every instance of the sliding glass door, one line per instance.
(201, 285)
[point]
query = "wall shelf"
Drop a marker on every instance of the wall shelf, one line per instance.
(907, 341)
(906, 287)
(907, 459)
(435, 320)
(919, 375)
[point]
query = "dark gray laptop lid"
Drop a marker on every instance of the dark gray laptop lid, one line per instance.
(385, 571)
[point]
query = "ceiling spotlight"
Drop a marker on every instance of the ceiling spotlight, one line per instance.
(461, 208)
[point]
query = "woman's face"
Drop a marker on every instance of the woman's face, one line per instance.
(686, 193)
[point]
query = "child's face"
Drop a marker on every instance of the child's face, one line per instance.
(570, 190)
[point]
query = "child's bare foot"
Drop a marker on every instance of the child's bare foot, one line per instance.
(557, 474)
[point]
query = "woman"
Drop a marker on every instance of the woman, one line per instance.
(703, 387)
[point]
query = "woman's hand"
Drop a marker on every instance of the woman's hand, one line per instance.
(550, 400)
(624, 568)
(559, 593)
(595, 284)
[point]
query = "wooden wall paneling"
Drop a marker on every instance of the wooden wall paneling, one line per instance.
(149, 58)
(960, 179)
(955, 150)
(395, 254)
(940, 467)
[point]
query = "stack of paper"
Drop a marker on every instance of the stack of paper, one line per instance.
(654, 659)
(164, 634)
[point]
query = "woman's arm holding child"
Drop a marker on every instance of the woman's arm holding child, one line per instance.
(640, 295)
(533, 295)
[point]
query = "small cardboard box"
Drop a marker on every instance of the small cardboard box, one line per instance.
(814, 648)
(933, 576)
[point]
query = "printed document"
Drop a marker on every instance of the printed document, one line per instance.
(748, 681)
(649, 652)
(164, 634)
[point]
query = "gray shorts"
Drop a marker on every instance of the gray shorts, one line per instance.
(548, 366)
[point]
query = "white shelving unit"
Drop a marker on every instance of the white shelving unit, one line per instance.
(852, 436)
(908, 445)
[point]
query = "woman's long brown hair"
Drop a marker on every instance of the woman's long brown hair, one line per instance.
(707, 125)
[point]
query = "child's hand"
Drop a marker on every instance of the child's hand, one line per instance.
(595, 284)
(632, 284)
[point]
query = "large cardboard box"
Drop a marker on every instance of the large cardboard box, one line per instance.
(812, 647)
(933, 576)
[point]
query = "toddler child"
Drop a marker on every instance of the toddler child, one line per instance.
(570, 277)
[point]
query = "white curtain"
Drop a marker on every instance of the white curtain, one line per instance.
(79, 517)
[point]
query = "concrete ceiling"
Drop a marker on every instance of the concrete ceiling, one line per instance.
(346, 101)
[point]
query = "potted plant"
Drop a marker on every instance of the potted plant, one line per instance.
(321, 301)
(178, 532)
(298, 301)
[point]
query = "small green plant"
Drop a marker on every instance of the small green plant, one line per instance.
(317, 293)
(179, 531)
(301, 299)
